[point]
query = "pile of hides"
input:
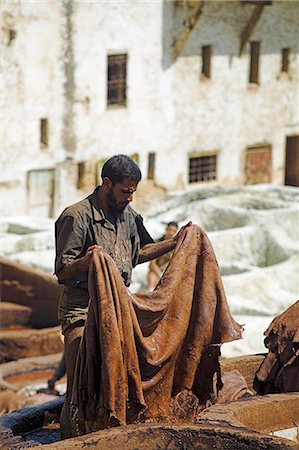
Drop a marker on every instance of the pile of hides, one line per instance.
(139, 351)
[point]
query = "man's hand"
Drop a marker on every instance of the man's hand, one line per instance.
(75, 267)
(93, 248)
(89, 252)
(179, 234)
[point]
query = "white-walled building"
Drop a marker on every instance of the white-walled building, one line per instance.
(200, 92)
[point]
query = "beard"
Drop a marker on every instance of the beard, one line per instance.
(116, 208)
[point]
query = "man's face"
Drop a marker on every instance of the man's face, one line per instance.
(170, 231)
(121, 194)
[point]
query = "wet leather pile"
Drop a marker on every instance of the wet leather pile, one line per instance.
(279, 372)
(234, 387)
(140, 350)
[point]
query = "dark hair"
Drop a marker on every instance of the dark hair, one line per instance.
(173, 224)
(121, 167)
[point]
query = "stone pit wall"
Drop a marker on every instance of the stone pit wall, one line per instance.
(32, 288)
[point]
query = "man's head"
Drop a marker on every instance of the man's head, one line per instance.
(171, 230)
(121, 167)
(120, 175)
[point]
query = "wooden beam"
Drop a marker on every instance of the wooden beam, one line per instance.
(256, 2)
(186, 14)
(190, 3)
(246, 33)
(189, 25)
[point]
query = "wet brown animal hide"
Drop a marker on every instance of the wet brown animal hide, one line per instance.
(140, 350)
(279, 372)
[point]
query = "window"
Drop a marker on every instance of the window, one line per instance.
(254, 62)
(86, 175)
(292, 161)
(12, 34)
(117, 84)
(206, 61)
(151, 166)
(99, 166)
(135, 157)
(44, 138)
(202, 168)
(81, 173)
(285, 59)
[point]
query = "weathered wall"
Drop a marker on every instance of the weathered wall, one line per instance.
(56, 68)
(34, 74)
(133, 28)
(226, 113)
(31, 91)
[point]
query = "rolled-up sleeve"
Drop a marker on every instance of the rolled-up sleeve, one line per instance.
(70, 236)
(144, 236)
(139, 238)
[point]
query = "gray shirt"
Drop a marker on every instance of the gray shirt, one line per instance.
(84, 224)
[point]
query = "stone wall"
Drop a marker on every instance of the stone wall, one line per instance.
(32, 288)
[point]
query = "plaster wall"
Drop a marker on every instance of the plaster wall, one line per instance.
(135, 29)
(32, 90)
(56, 68)
(170, 109)
(32, 85)
(226, 113)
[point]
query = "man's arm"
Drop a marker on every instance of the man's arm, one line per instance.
(156, 249)
(70, 237)
(153, 251)
(74, 267)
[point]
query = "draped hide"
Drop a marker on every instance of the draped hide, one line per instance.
(279, 372)
(140, 350)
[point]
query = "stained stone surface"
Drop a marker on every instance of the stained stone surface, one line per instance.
(13, 315)
(15, 344)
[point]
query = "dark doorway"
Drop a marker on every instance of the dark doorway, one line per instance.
(40, 192)
(292, 161)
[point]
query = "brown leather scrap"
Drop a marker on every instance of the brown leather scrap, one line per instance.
(234, 387)
(140, 350)
(279, 372)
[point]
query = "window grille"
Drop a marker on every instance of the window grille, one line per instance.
(202, 168)
(117, 83)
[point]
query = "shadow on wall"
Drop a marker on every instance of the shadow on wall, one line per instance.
(221, 24)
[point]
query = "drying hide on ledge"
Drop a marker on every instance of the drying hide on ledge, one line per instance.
(140, 350)
(279, 372)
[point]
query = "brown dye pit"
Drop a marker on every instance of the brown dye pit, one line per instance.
(23, 379)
